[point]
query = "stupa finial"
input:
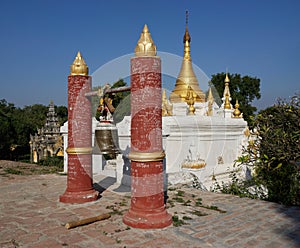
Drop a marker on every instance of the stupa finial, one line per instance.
(79, 66)
(237, 113)
(186, 36)
(190, 100)
(145, 45)
(227, 104)
(186, 75)
(226, 88)
(227, 80)
(210, 100)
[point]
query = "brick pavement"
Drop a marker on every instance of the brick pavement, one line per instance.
(32, 216)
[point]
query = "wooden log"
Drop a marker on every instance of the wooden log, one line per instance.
(87, 221)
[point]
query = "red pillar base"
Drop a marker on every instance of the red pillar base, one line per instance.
(79, 197)
(158, 218)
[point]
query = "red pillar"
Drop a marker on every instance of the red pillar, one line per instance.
(79, 180)
(147, 208)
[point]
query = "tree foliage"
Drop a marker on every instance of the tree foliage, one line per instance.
(16, 125)
(274, 156)
(244, 89)
(278, 167)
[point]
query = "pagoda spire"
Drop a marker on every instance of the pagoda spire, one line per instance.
(186, 77)
(226, 94)
(187, 39)
(210, 100)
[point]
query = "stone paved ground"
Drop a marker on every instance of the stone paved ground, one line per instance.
(32, 216)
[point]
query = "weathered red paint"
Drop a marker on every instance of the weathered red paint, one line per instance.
(147, 209)
(79, 180)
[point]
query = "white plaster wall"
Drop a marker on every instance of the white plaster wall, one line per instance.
(207, 137)
(96, 156)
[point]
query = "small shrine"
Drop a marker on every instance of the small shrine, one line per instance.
(200, 139)
(47, 142)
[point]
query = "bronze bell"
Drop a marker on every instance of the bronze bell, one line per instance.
(106, 134)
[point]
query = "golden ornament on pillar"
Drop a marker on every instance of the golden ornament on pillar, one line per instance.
(79, 66)
(145, 45)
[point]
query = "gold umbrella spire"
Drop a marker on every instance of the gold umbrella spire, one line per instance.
(186, 75)
(79, 66)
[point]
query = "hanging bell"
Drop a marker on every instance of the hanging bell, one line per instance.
(106, 134)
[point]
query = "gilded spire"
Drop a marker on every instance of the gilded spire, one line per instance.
(226, 95)
(167, 107)
(210, 102)
(190, 100)
(210, 97)
(186, 36)
(227, 104)
(79, 66)
(187, 39)
(237, 113)
(186, 75)
(226, 78)
(145, 45)
(226, 88)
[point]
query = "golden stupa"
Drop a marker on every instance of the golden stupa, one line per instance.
(186, 77)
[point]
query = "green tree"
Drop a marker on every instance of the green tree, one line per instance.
(244, 89)
(27, 121)
(62, 114)
(7, 132)
(273, 155)
(278, 167)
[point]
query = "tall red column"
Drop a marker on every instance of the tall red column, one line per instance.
(147, 209)
(79, 180)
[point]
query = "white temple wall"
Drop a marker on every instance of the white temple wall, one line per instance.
(97, 163)
(215, 140)
(186, 139)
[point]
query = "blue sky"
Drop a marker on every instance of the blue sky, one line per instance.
(39, 41)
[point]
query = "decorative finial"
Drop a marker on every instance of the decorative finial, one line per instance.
(186, 17)
(226, 88)
(190, 100)
(237, 113)
(145, 45)
(210, 99)
(210, 95)
(226, 78)
(187, 40)
(167, 107)
(186, 36)
(227, 102)
(79, 66)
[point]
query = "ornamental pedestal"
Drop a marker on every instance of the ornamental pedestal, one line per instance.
(79, 179)
(147, 209)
